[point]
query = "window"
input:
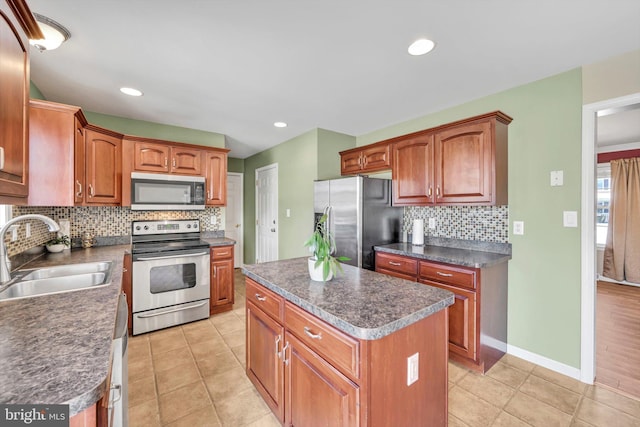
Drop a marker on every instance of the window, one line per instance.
(602, 202)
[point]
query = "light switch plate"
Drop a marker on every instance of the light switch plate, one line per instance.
(570, 218)
(432, 223)
(413, 362)
(288, 213)
(518, 227)
(557, 178)
(214, 220)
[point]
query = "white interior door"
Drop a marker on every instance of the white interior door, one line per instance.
(234, 228)
(267, 213)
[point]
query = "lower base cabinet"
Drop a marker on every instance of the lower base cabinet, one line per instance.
(311, 374)
(222, 289)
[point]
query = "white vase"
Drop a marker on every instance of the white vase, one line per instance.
(59, 247)
(316, 273)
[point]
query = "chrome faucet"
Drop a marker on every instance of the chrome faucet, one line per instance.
(5, 273)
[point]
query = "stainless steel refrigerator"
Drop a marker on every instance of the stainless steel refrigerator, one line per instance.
(361, 216)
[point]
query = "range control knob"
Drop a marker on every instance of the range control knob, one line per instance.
(146, 227)
(138, 227)
(188, 225)
(195, 225)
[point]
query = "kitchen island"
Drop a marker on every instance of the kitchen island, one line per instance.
(364, 349)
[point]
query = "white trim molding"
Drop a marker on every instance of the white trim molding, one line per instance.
(588, 235)
(545, 362)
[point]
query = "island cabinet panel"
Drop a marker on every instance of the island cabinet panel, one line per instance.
(318, 394)
(222, 286)
(368, 159)
(216, 177)
(330, 378)
(14, 101)
(265, 340)
(103, 167)
(458, 163)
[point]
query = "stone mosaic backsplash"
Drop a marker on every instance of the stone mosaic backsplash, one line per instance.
(103, 221)
(480, 223)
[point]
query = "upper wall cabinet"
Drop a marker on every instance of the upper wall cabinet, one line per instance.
(463, 163)
(165, 158)
(17, 25)
(216, 177)
(372, 158)
(70, 164)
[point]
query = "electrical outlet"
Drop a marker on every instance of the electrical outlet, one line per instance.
(518, 227)
(413, 362)
(14, 232)
(570, 218)
(27, 230)
(432, 223)
(214, 220)
(557, 178)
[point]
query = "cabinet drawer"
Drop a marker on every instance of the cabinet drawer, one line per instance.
(342, 350)
(221, 252)
(397, 263)
(266, 300)
(448, 274)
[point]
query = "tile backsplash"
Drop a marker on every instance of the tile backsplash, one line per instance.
(480, 223)
(104, 221)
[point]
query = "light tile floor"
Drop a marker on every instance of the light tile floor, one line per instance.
(193, 375)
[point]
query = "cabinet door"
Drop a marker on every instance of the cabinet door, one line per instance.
(351, 163)
(317, 393)
(186, 161)
(14, 106)
(216, 176)
(376, 158)
(464, 166)
(462, 320)
(79, 182)
(412, 171)
(103, 168)
(151, 157)
(265, 341)
(222, 280)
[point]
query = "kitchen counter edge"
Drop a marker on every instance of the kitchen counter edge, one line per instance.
(449, 255)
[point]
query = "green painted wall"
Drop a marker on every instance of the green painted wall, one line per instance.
(544, 273)
(155, 130)
(297, 169)
(329, 146)
(34, 92)
(235, 165)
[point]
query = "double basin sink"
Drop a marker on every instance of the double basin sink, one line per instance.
(53, 280)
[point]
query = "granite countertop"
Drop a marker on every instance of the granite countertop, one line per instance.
(361, 303)
(55, 349)
(465, 256)
(219, 241)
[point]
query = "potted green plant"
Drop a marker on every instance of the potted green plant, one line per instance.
(58, 244)
(323, 265)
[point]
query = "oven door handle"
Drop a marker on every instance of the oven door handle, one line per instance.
(171, 256)
(173, 310)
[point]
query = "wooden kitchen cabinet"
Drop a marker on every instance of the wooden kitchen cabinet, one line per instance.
(462, 163)
(368, 159)
(17, 26)
(103, 166)
(216, 177)
(310, 373)
(222, 289)
(478, 317)
(127, 283)
(166, 158)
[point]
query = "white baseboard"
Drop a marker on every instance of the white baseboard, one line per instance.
(545, 362)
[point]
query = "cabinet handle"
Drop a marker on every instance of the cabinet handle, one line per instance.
(311, 335)
(166, 162)
(430, 191)
(209, 195)
(223, 253)
(91, 193)
(438, 191)
(398, 264)
(444, 274)
(278, 354)
(214, 272)
(284, 354)
(79, 193)
(124, 270)
(260, 298)
(1, 158)
(174, 162)
(360, 161)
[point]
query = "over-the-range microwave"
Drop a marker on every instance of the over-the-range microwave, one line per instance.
(160, 192)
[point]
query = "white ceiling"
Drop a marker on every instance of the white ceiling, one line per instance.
(620, 127)
(235, 67)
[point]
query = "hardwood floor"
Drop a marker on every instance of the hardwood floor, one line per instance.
(618, 337)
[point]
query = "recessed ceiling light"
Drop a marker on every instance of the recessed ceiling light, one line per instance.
(130, 91)
(280, 124)
(421, 46)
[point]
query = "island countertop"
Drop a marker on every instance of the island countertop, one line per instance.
(55, 349)
(361, 303)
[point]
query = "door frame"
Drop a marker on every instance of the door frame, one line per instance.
(241, 228)
(588, 233)
(277, 244)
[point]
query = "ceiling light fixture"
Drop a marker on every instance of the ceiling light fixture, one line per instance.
(421, 47)
(54, 34)
(130, 91)
(280, 124)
